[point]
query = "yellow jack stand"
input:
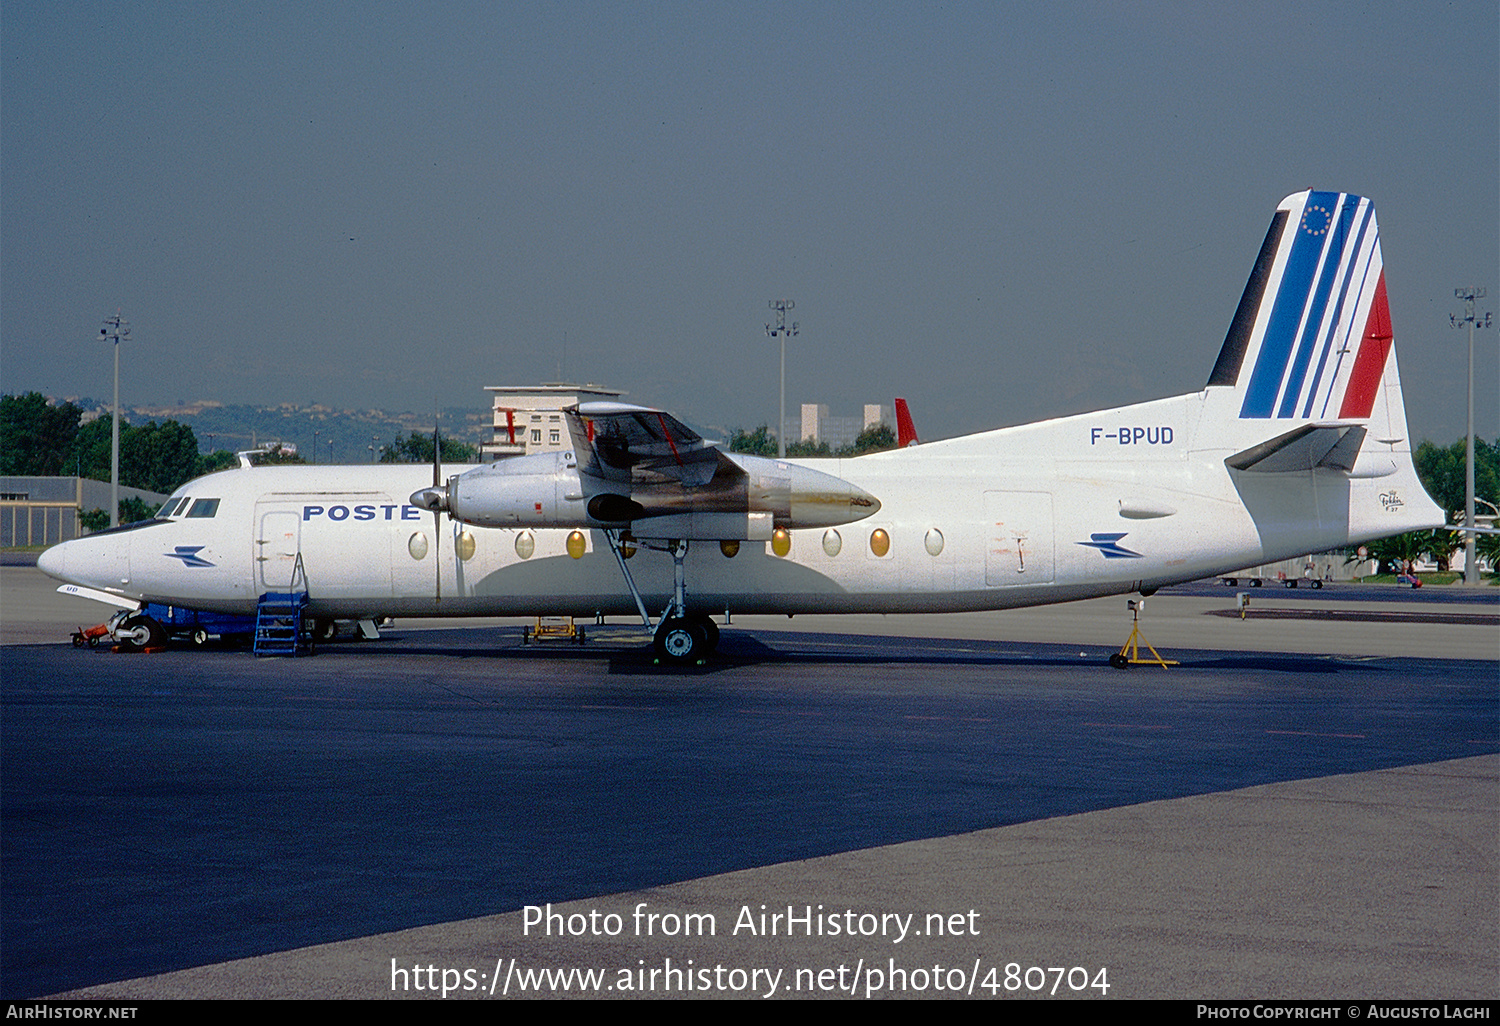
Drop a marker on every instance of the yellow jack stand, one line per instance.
(1130, 652)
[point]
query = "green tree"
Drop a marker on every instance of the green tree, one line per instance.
(133, 509)
(1487, 547)
(806, 448)
(90, 450)
(417, 448)
(36, 438)
(219, 459)
(759, 442)
(1442, 473)
(158, 458)
(1393, 553)
(876, 438)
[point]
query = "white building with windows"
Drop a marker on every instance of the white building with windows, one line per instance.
(528, 418)
(818, 426)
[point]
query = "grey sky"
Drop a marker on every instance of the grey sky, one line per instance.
(1003, 213)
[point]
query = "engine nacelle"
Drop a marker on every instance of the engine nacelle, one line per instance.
(540, 490)
(744, 500)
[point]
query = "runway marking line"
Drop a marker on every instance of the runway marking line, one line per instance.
(1314, 733)
(959, 719)
(1134, 726)
(780, 712)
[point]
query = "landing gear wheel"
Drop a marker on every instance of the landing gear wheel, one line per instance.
(141, 631)
(324, 629)
(1119, 662)
(199, 637)
(681, 641)
(710, 631)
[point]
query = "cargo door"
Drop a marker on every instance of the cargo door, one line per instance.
(1020, 543)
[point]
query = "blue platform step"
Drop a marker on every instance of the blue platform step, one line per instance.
(278, 624)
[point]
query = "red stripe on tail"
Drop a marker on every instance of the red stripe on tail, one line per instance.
(1369, 363)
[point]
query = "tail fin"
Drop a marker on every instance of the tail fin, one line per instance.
(1307, 379)
(1311, 339)
(906, 433)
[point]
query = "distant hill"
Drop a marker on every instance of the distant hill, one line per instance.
(352, 432)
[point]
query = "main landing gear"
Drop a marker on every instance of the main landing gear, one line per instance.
(681, 638)
(684, 640)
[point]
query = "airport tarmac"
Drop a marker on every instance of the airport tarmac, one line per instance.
(1302, 809)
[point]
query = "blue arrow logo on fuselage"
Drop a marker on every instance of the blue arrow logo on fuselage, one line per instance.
(1109, 544)
(189, 555)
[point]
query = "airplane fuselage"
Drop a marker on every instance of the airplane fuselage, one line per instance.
(1297, 444)
(1083, 506)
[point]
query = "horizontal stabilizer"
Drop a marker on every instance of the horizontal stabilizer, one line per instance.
(1330, 446)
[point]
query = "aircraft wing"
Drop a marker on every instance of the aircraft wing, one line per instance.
(643, 446)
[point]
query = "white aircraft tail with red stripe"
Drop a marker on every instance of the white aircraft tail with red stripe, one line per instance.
(1307, 378)
(1311, 341)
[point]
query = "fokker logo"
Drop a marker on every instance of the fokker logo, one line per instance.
(1391, 501)
(189, 555)
(1109, 544)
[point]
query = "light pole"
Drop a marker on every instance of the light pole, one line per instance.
(781, 306)
(115, 330)
(1469, 295)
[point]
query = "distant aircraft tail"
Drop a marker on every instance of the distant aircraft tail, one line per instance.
(906, 432)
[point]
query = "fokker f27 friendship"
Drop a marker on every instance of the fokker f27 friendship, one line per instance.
(1298, 443)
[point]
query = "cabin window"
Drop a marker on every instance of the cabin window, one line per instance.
(203, 508)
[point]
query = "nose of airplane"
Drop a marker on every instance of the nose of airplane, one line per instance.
(54, 561)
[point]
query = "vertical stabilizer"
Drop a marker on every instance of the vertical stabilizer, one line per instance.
(1306, 381)
(1311, 339)
(906, 432)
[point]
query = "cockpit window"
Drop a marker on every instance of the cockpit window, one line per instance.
(171, 507)
(203, 508)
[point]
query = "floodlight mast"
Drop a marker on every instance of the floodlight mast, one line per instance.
(1469, 295)
(115, 330)
(781, 306)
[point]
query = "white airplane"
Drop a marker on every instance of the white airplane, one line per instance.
(1298, 443)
